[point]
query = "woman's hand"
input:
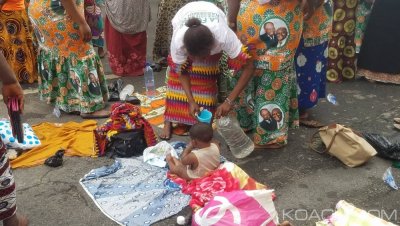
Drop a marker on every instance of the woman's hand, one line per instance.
(13, 90)
(223, 110)
(85, 31)
(194, 109)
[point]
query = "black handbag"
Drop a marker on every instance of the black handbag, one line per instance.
(127, 144)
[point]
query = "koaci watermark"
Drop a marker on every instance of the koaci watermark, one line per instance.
(319, 215)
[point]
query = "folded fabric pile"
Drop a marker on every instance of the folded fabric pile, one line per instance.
(75, 138)
(153, 108)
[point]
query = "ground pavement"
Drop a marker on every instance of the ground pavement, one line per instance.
(307, 184)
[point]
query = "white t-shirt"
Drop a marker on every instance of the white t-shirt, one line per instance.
(212, 17)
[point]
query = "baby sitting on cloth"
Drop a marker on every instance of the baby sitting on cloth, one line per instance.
(200, 157)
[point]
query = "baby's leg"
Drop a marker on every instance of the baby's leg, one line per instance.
(176, 167)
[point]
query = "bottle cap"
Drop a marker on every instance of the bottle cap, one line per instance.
(180, 220)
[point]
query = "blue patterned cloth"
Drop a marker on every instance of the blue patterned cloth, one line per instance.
(311, 64)
(131, 192)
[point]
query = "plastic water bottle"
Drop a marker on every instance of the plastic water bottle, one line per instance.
(126, 91)
(149, 81)
(239, 143)
(57, 112)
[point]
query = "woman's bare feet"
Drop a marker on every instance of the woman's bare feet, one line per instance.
(166, 133)
(97, 114)
(303, 115)
(101, 52)
(16, 220)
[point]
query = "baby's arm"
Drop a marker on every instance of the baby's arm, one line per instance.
(187, 150)
(188, 158)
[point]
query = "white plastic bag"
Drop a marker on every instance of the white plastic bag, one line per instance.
(155, 155)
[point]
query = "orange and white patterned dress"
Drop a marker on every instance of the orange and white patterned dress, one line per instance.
(71, 74)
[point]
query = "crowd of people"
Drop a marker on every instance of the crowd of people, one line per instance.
(275, 56)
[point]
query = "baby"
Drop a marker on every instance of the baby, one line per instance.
(200, 157)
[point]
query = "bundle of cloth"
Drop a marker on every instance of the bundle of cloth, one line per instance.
(124, 117)
(228, 177)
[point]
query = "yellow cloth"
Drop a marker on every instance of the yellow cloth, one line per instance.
(77, 139)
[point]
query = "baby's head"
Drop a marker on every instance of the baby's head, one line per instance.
(201, 133)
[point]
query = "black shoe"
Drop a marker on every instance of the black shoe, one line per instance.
(132, 100)
(55, 160)
(114, 89)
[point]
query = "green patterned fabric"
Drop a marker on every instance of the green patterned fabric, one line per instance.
(269, 105)
(363, 12)
(71, 73)
(275, 91)
(74, 86)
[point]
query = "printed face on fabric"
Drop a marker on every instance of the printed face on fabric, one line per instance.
(269, 112)
(274, 33)
(272, 29)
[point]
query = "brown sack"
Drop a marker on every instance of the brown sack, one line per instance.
(345, 144)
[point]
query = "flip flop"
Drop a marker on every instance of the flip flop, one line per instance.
(164, 138)
(311, 123)
(268, 146)
(94, 116)
(181, 130)
(396, 120)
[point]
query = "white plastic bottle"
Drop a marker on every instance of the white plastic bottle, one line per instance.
(239, 143)
(149, 81)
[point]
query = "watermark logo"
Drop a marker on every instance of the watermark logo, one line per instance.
(314, 215)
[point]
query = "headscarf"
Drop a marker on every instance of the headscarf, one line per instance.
(128, 16)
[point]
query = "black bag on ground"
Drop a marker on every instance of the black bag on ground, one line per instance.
(127, 144)
(386, 148)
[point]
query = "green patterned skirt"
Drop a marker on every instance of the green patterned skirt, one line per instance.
(268, 106)
(73, 85)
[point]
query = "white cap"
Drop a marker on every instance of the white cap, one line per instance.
(181, 220)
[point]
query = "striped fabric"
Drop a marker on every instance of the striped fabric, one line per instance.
(203, 75)
(7, 186)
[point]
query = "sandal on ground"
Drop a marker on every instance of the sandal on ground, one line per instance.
(268, 146)
(163, 62)
(96, 115)
(181, 130)
(396, 120)
(397, 126)
(311, 123)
